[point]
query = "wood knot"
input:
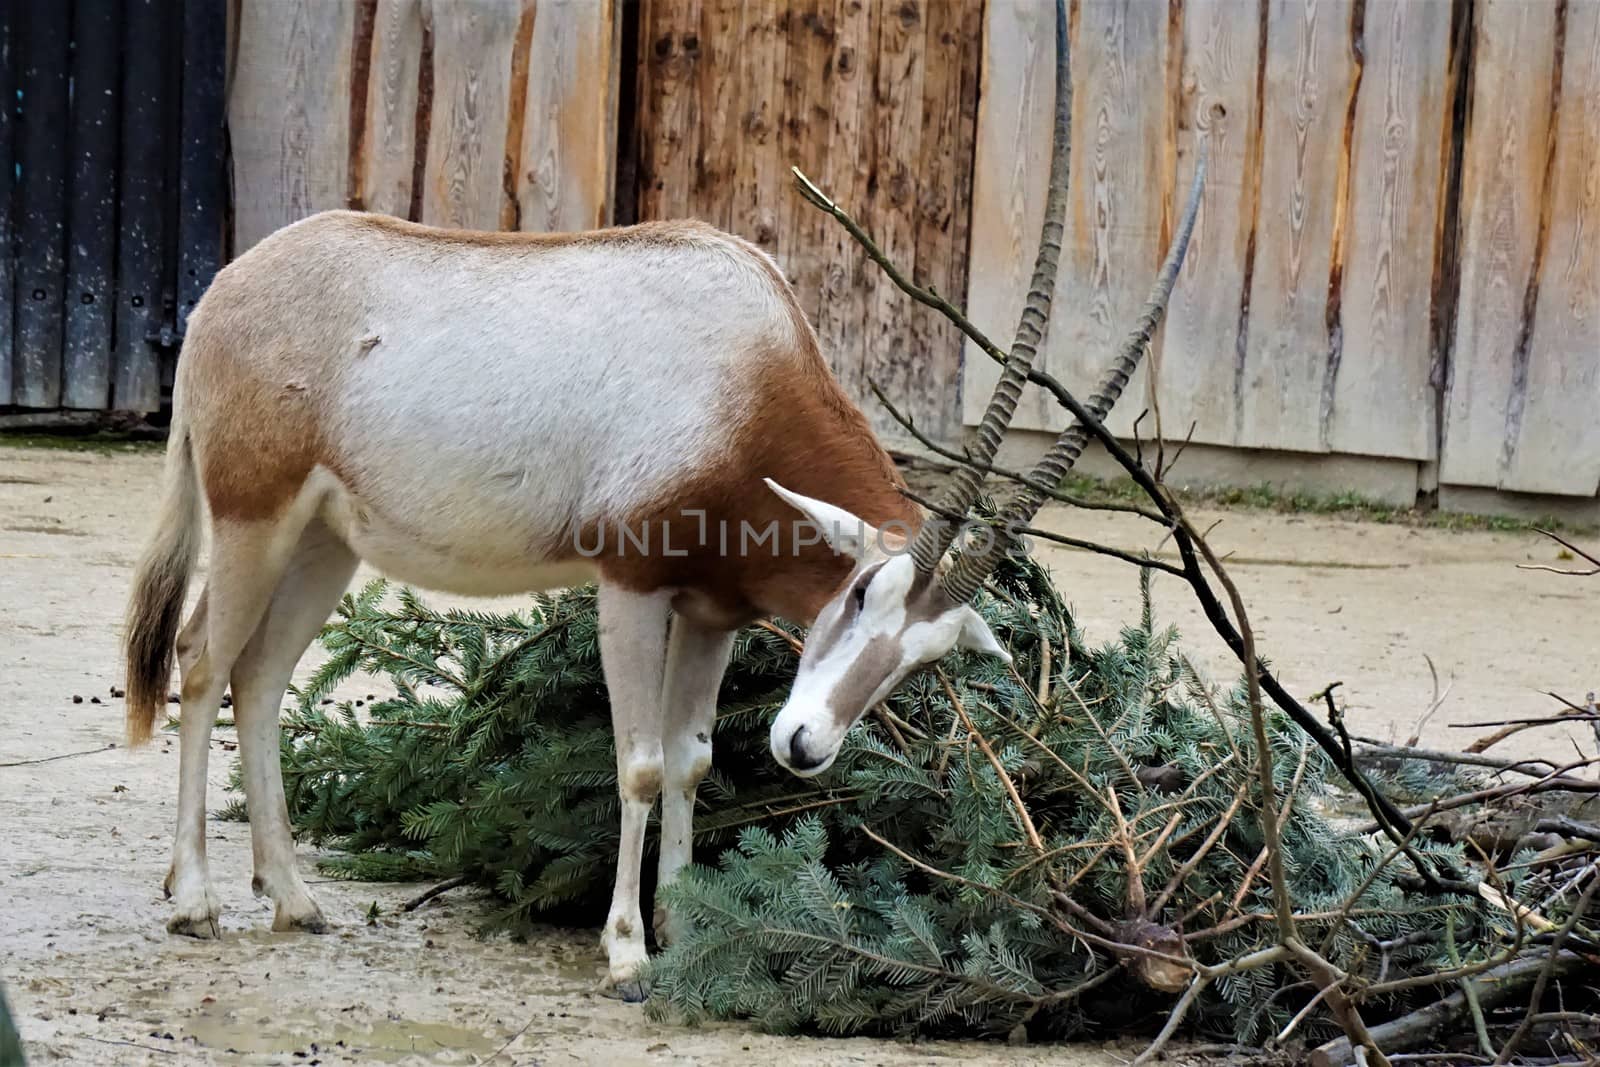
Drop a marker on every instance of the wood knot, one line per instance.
(1169, 976)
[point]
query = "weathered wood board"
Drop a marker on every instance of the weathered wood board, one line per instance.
(486, 114)
(1202, 350)
(289, 113)
(1392, 222)
(1288, 361)
(567, 156)
(475, 99)
(388, 147)
(1524, 388)
(874, 99)
(1301, 319)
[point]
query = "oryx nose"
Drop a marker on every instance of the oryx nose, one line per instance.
(799, 758)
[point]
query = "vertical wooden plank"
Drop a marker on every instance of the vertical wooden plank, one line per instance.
(10, 49)
(1558, 447)
(891, 359)
(1382, 402)
(1503, 171)
(288, 113)
(762, 63)
(943, 177)
(669, 113)
(42, 204)
(569, 133)
(714, 158)
(1009, 182)
(1310, 76)
(388, 156)
(852, 160)
(472, 60)
(201, 189)
(141, 239)
(1114, 220)
(1220, 90)
(92, 205)
(804, 130)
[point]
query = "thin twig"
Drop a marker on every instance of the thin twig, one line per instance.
(1023, 818)
(64, 755)
(443, 887)
(1564, 543)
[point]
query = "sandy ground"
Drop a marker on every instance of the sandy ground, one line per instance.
(93, 977)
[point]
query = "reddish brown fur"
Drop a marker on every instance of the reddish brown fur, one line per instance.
(803, 432)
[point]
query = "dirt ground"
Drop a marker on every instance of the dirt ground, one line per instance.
(94, 978)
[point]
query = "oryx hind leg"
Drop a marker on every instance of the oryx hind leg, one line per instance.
(246, 560)
(314, 577)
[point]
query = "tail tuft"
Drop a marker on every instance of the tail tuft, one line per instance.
(155, 608)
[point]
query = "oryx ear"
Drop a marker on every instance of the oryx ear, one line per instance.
(976, 635)
(848, 534)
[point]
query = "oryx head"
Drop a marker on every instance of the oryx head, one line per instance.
(891, 617)
(904, 605)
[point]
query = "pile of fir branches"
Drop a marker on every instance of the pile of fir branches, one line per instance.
(1048, 845)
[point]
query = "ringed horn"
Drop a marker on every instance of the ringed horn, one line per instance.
(961, 492)
(967, 573)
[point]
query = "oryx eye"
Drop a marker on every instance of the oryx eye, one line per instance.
(859, 594)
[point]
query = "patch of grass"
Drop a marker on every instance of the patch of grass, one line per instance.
(100, 442)
(1352, 506)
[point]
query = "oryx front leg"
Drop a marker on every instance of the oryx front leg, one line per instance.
(633, 639)
(696, 659)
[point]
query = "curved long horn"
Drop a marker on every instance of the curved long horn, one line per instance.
(936, 536)
(969, 571)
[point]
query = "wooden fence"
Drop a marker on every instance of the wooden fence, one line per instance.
(1398, 252)
(486, 114)
(875, 100)
(1396, 258)
(111, 195)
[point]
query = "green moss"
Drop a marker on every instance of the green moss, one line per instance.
(102, 442)
(1339, 505)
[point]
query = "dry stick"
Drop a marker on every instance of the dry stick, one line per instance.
(1025, 819)
(1145, 560)
(64, 755)
(1562, 824)
(1555, 782)
(1205, 846)
(1564, 543)
(1493, 988)
(1480, 1026)
(1135, 880)
(443, 887)
(1562, 934)
(1328, 977)
(1428, 755)
(1174, 1020)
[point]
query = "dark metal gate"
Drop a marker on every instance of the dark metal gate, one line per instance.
(112, 194)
